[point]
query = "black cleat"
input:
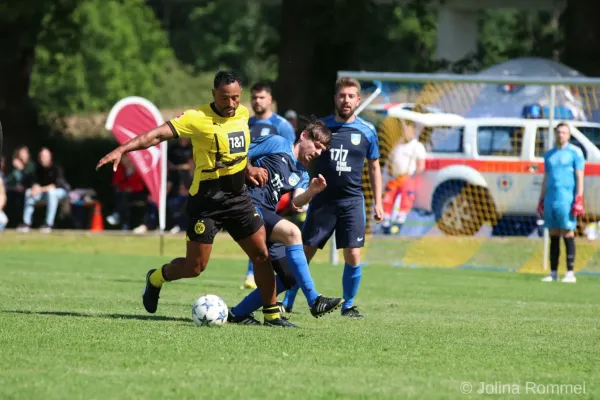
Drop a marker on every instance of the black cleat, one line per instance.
(150, 295)
(352, 312)
(325, 305)
(282, 322)
(247, 320)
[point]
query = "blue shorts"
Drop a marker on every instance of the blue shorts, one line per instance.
(270, 219)
(558, 215)
(347, 218)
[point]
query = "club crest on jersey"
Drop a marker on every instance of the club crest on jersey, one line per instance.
(355, 138)
(293, 179)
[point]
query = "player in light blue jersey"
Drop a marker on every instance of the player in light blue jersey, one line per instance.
(561, 200)
(265, 122)
(341, 206)
(286, 167)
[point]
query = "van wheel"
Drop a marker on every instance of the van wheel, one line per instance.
(456, 208)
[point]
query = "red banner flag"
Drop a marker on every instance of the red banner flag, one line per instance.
(128, 118)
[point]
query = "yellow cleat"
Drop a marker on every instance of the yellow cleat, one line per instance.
(249, 283)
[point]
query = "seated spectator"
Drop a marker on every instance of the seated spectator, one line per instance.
(23, 173)
(3, 217)
(129, 187)
(48, 184)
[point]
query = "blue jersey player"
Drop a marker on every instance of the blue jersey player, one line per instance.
(265, 122)
(561, 200)
(341, 206)
(285, 164)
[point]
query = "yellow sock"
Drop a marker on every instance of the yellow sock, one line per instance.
(271, 312)
(157, 279)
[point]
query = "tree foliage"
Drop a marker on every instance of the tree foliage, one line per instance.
(119, 49)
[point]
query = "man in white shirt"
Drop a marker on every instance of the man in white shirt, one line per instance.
(406, 161)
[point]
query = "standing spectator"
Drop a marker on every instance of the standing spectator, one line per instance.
(292, 118)
(406, 163)
(129, 187)
(3, 217)
(49, 184)
(561, 199)
(265, 121)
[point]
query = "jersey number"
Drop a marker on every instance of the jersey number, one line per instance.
(339, 154)
(237, 142)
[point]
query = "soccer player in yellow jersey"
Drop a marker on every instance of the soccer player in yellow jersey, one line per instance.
(218, 197)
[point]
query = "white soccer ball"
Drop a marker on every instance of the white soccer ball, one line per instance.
(209, 310)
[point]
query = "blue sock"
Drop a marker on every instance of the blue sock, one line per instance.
(290, 297)
(253, 301)
(299, 266)
(350, 283)
(250, 268)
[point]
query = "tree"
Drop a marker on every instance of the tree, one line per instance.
(21, 24)
(579, 24)
(119, 50)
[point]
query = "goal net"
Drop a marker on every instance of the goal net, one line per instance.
(471, 202)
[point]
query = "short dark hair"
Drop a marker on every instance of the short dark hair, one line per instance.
(260, 86)
(226, 78)
(561, 124)
(316, 129)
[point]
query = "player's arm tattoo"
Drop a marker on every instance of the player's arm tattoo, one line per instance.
(375, 177)
(148, 139)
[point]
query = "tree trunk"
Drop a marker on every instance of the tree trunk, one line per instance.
(317, 40)
(582, 35)
(18, 37)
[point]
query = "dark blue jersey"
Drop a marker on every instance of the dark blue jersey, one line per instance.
(342, 164)
(274, 153)
(274, 125)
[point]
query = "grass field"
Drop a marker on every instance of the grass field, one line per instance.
(72, 327)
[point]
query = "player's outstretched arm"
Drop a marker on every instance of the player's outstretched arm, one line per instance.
(143, 141)
(302, 197)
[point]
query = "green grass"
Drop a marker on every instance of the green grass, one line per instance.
(72, 327)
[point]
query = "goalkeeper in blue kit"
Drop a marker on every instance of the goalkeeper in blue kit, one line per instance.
(561, 199)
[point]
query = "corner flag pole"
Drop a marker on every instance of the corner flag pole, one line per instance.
(162, 211)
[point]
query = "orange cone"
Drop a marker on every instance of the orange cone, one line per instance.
(97, 220)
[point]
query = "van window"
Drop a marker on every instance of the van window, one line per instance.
(540, 143)
(499, 141)
(592, 133)
(442, 139)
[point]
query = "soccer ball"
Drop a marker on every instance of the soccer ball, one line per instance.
(209, 310)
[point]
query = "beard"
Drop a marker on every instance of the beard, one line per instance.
(345, 114)
(259, 110)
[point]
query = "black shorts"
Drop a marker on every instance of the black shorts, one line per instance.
(236, 214)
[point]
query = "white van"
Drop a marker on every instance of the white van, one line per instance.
(482, 170)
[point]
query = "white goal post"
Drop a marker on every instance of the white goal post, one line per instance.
(431, 78)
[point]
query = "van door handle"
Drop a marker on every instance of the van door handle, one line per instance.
(533, 168)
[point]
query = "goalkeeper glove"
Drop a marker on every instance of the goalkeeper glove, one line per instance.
(578, 209)
(540, 208)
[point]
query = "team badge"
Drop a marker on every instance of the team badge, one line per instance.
(504, 183)
(355, 138)
(293, 179)
(199, 228)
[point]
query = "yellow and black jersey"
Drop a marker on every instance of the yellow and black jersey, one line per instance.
(220, 149)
